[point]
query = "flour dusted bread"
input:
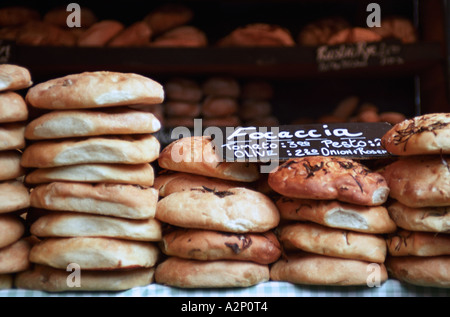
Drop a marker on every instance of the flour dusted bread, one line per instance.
(94, 253)
(49, 279)
(335, 214)
(12, 107)
(421, 135)
(315, 269)
(12, 136)
(431, 271)
(325, 177)
(81, 123)
(127, 149)
(14, 257)
(14, 196)
(197, 155)
(419, 181)
(73, 224)
(209, 245)
(14, 77)
(10, 167)
(417, 243)
(168, 182)
(318, 239)
(186, 273)
(137, 174)
(12, 229)
(427, 219)
(127, 201)
(236, 210)
(94, 90)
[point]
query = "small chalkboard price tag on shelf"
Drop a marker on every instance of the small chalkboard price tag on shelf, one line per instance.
(5, 51)
(262, 144)
(358, 55)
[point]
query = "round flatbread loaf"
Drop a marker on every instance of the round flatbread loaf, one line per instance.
(238, 210)
(315, 269)
(94, 253)
(421, 135)
(12, 107)
(208, 245)
(335, 214)
(168, 182)
(14, 196)
(427, 219)
(186, 273)
(14, 257)
(12, 229)
(329, 178)
(318, 239)
(12, 136)
(81, 123)
(73, 224)
(429, 271)
(127, 149)
(405, 242)
(197, 155)
(6, 281)
(419, 181)
(95, 90)
(48, 279)
(10, 167)
(126, 201)
(14, 77)
(135, 174)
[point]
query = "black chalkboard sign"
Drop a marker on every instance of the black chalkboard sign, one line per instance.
(264, 144)
(358, 55)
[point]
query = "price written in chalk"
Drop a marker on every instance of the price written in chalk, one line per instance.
(352, 140)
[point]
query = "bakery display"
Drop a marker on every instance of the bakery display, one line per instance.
(14, 195)
(92, 198)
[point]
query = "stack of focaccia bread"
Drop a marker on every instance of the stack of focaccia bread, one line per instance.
(333, 221)
(92, 199)
(219, 232)
(419, 252)
(14, 196)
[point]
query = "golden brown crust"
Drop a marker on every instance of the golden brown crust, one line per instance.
(94, 90)
(197, 155)
(207, 245)
(38, 33)
(74, 224)
(421, 135)
(405, 242)
(58, 16)
(210, 274)
(183, 89)
(427, 219)
(48, 279)
(14, 196)
(12, 107)
(182, 36)
(94, 253)
(167, 17)
(221, 86)
(14, 257)
(328, 178)
(354, 35)
(419, 181)
(217, 106)
(127, 201)
(12, 229)
(319, 32)
(137, 34)
(314, 269)
(10, 167)
(12, 136)
(258, 34)
(17, 15)
(127, 149)
(14, 77)
(133, 174)
(180, 108)
(397, 27)
(100, 33)
(318, 239)
(422, 271)
(220, 210)
(168, 182)
(81, 123)
(335, 214)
